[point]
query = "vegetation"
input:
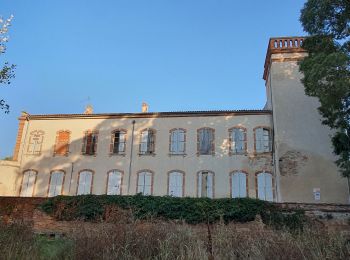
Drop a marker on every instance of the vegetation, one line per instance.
(327, 68)
(190, 210)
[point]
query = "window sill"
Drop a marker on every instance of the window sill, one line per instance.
(263, 153)
(147, 154)
(199, 154)
(85, 154)
(117, 154)
(178, 154)
(241, 153)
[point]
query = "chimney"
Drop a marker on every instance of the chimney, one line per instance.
(144, 107)
(88, 110)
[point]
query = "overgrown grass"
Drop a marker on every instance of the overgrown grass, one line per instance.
(190, 210)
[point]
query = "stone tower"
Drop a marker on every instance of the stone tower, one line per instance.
(303, 158)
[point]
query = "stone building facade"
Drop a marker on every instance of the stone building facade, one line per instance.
(280, 153)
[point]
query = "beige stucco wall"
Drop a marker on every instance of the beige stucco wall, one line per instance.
(161, 163)
(9, 178)
(304, 158)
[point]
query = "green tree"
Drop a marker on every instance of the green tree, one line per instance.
(327, 69)
(7, 71)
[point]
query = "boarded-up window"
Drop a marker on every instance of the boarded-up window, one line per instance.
(28, 183)
(262, 140)
(147, 140)
(62, 143)
(84, 183)
(114, 183)
(238, 139)
(205, 141)
(144, 183)
(36, 139)
(265, 189)
(118, 142)
(239, 185)
(175, 184)
(205, 184)
(90, 143)
(177, 141)
(56, 183)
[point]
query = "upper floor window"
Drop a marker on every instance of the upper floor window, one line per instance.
(238, 140)
(56, 183)
(175, 182)
(62, 143)
(264, 186)
(147, 141)
(90, 143)
(114, 182)
(28, 183)
(177, 141)
(238, 185)
(205, 141)
(84, 182)
(205, 184)
(36, 139)
(144, 182)
(118, 140)
(262, 140)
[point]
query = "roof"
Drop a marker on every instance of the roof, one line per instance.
(147, 115)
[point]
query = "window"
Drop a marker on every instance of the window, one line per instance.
(238, 184)
(118, 142)
(205, 184)
(144, 183)
(262, 140)
(205, 141)
(175, 184)
(62, 143)
(28, 182)
(36, 139)
(56, 183)
(147, 139)
(177, 141)
(84, 182)
(114, 182)
(264, 185)
(238, 140)
(90, 143)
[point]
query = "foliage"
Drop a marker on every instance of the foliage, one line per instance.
(7, 71)
(190, 210)
(327, 68)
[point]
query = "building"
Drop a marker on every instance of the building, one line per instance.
(281, 153)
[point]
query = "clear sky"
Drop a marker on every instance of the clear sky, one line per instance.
(173, 54)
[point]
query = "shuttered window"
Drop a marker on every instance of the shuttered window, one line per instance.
(205, 139)
(265, 189)
(28, 183)
(238, 140)
(144, 183)
(62, 143)
(114, 183)
(147, 141)
(175, 184)
(177, 141)
(262, 140)
(56, 183)
(90, 143)
(118, 142)
(84, 183)
(239, 185)
(205, 184)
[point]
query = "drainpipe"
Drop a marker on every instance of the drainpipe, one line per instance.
(131, 152)
(70, 180)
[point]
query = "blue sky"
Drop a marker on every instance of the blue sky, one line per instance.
(173, 54)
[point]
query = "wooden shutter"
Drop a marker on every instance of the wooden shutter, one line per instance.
(114, 183)
(28, 183)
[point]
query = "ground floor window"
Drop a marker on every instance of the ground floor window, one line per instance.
(205, 184)
(144, 183)
(264, 185)
(28, 182)
(175, 184)
(239, 184)
(84, 183)
(114, 182)
(56, 183)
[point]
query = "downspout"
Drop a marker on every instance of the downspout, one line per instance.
(131, 153)
(70, 179)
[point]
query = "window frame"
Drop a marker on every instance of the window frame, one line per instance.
(35, 134)
(183, 182)
(67, 143)
(152, 181)
(153, 145)
(212, 143)
(245, 141)
(272, 185)
(95, 134)
(62, 188)
(92, 180)
(170, 142)
(121, 181)
(247, 182)
(270, 140)
(112, 143)
(34, 184)
(213, 183)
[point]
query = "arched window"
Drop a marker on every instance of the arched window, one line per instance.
(205, 141)
(176, 180)
(238, 140)
(85, 182)
(205, 184)
(36, 139)
(239, 184)
(147, 141)
(62, 143)
(177, 141)
(144, 182)
(263, 142)
(56, 183)
(28, 183)
(118, 141)
(265, 186)
(114, 182)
